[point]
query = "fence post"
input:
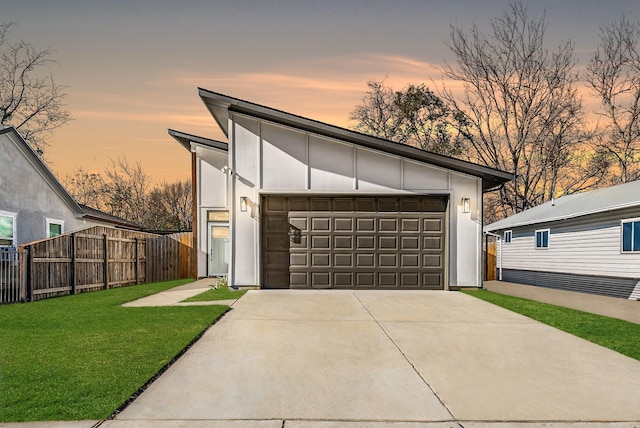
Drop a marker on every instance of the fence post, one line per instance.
(29, 290)
(73, 263)
(105, 267)
(135, 266)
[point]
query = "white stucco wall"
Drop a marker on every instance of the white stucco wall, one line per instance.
(212, 195)
(24, 191)
(268, 158)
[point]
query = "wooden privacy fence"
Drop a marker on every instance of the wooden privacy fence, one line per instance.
(490, 258)
(100, 258)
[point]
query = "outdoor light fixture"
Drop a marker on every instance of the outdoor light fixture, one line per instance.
(466, 205)
(243, 204)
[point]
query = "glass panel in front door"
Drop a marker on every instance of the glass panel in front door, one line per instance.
(219, 250)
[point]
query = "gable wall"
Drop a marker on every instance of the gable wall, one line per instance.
(269, 158)
(26, 192)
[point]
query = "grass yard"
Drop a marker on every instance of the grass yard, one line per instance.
(619, 335)
(81, 357)
(221, 293)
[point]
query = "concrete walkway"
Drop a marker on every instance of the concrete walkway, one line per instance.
(176, 295)
(333, 358)
(628, 310)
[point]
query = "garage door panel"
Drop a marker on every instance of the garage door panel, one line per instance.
(432, 225)
(341, 224)
(365, 260)
(354, 242)
(432, 243)
(387, 225)
(343, 242)
(343, 260)
(388, 260)
(320, 279)
(387, 242)
(320, 260)
(365, 224)
(432, 260)
(321, 242)
(408, 243)
(410, 260)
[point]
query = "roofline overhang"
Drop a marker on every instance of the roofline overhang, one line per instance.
(491, 178)
(563, 217)
(186, 139)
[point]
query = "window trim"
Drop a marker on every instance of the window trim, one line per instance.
(49, 222)
(504, 236)
(536, 238)
(15, 227)
(622, 222)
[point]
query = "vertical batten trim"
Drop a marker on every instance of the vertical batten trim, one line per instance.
(308, 175)
(401, 174)
(232, 202)
(355, 168)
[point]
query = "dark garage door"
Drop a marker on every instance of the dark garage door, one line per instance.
(353, 242)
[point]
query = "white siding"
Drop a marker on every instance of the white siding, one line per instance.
(284, 157)
(593, 250)
(270, 158)
(331, 164)
(378, 171)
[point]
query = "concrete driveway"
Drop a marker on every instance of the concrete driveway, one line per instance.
(385, 358)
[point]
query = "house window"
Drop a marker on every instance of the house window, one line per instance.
(7, 229)
(507, 236)
(631, 236)
(54, 227)
(542, 238)
(218, 215)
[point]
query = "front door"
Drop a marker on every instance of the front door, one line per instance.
(218, 249)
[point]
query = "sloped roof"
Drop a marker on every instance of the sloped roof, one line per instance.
(94, 214)
(625, 195)
(219, 104)
(80, 211)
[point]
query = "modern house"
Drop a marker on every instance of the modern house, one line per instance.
(290, 202)
(33, 203)
(587, 242)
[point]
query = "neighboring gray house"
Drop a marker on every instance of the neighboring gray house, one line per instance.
(587, 242)
(290, 202)
(33, 203)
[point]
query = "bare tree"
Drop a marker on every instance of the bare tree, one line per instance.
(170, 207)
(614, 76)
(30, 100)
(415, 116)
(126, 191)
(87, 188)
(522, 106)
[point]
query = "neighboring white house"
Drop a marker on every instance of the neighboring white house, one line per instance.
(33, 203)
(587, 242)
(291, 202)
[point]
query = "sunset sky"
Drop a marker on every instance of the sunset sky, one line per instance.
(133, 67)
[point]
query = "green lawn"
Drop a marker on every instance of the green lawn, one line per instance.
(621, 336)
(221, 293)
(82, 356)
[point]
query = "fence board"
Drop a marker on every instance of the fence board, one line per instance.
(98, 258)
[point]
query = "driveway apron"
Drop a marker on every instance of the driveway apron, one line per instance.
(385, 356)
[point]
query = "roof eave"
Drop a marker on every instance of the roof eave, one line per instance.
(186, 139)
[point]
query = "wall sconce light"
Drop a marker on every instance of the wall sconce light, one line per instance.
(243, 204)
(466, 205)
